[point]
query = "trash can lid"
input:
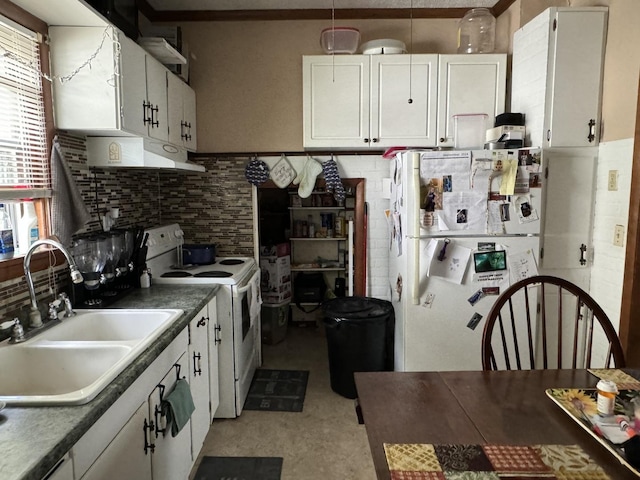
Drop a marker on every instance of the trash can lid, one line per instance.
(356, 309)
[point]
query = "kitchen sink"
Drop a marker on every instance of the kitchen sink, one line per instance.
(71, 363)
(109, 326)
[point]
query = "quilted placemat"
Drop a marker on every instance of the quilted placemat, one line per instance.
(420, 461)
(623, 380)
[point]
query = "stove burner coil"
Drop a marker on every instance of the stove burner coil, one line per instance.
(176, 274)
(231, 261)
(213, 274)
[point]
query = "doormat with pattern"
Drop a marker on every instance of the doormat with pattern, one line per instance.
(239, 468)
(277, 390)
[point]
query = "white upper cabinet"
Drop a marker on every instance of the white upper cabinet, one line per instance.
(369, 101)
(469, 84)
(403, 100)
(124, 92)
(557, 76)
(380, 101)
(336, 101)
(182, 113)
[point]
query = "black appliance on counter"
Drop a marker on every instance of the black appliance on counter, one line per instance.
(111, 264)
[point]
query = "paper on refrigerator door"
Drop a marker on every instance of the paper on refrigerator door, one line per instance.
(464, 211)
(522, 265)
(454, 264)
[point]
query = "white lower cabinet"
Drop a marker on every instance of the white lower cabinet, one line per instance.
(131, 439)
(199, 379)
(213, 330)
(125, 457)
(62, 471)
(171, 456)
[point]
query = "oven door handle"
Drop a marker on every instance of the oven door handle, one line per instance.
(254, 278)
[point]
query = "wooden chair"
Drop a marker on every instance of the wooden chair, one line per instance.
(548, 322)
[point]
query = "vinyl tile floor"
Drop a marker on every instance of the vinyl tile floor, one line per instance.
(324, 441)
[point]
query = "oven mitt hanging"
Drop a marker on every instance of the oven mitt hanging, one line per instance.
(307, 177)
(282, 173)
(257, 172)
(332, 179)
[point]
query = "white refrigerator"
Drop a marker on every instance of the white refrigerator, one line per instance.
(464, 225)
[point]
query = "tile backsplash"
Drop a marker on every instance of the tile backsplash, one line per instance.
(211, 207)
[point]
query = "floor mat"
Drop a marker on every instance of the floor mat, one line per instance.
(240, 468)
(277, 390)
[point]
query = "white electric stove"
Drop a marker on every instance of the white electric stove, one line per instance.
(238, 309)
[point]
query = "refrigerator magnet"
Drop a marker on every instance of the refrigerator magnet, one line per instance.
(475, 320)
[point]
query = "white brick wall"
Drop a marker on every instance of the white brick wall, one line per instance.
(373, 168)
(611, 208)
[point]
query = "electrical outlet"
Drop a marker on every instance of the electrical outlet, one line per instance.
(613, 180)
(618, 235)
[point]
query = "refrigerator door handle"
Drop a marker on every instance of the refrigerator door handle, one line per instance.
(415, 223)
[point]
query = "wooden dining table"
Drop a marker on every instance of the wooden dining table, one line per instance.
(502, 407)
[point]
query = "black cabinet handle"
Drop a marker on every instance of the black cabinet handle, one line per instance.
(196, 364)
(148, 446)
(592, 130)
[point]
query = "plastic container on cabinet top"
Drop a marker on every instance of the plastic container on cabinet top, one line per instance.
(469, 130)
(340, 40)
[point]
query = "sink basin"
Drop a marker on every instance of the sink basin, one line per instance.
(109, 325)
(71, 363)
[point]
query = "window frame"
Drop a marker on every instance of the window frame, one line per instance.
(13, 268)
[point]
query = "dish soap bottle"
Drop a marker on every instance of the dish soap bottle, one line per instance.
(6, 234)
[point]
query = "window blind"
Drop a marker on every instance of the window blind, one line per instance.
(24, 163)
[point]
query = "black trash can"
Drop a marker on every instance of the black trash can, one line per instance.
(360, 333)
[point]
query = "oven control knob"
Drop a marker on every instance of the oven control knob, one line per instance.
(179, 233)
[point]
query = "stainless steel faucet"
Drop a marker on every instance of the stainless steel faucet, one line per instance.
(76, 277)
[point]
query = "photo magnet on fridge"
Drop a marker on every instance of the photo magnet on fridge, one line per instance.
(475, 320)
(490, 261)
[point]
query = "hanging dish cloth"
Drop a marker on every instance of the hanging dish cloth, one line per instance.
(257, 172)
(307, 177)
(282, 173)
(332, 179)
(68, 210)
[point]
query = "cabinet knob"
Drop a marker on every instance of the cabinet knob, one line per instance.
(366, 140)
(442, 139)
(375, 140)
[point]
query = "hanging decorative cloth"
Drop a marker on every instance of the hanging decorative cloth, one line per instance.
(257, 172)
(282, 172)
(332, 179)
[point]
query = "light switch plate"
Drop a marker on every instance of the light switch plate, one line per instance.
(618, 235)
(613, 180)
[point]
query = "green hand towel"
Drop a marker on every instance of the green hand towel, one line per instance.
(178, 406)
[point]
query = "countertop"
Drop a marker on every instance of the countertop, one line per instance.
(33, 439)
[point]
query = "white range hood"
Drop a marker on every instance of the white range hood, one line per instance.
(137, 152)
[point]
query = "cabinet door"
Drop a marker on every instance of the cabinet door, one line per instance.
(88, 100)
(469, 84)
(133, 91)
(336, 101)
(171, 458)
(181, 105)
(576, 54)
(214, 342)
(157, 96)
(568, 223)
(189, 113)
(403, 105)
(125, 457)
(199, 379)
